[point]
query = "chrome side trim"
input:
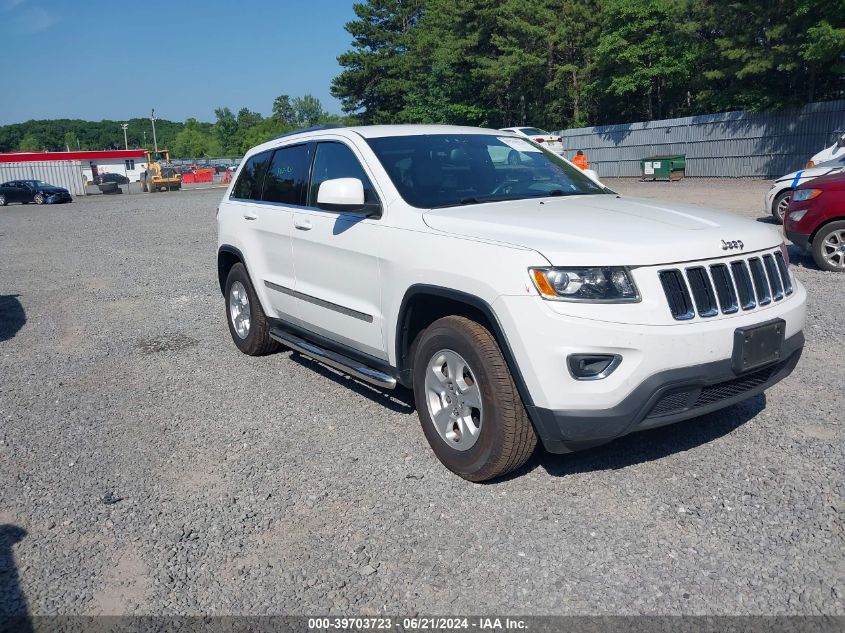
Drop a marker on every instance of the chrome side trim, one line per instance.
(335, 360)
(355, 314)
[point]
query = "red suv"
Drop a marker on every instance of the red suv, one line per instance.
(815, 220)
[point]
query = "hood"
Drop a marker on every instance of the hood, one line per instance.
(606, 230)
(52, 190)
(812, 172)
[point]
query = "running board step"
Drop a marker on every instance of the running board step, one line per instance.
(335, 360)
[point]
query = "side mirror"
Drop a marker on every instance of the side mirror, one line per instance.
(345, 195)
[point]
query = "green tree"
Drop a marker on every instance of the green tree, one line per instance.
(374, 81)
(308, 111)
(283, 110)
(31, 143)
(194, 142)
(226, 131)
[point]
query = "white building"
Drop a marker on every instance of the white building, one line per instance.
(126, 162)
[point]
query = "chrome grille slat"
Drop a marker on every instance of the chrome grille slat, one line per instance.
(743, 285)
(772, 273)
(726, 287)
(784, 273)
(702, 292)
(761, 286)
(680, 303)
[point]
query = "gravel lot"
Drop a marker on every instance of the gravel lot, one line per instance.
(146, 466)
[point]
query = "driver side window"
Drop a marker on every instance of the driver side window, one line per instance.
(336, 160)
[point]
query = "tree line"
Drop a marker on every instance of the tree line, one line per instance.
(231, 134)
(570, 63)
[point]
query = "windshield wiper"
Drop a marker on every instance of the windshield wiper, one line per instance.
(469, 200)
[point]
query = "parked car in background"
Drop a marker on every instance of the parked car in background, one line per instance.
(118, 178)
(829, 153)
(37, 191)
(777, 198)
(815, 220)
(551, 141)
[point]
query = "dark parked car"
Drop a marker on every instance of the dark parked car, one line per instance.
(815, 220)
(37, 191)
(118, 178)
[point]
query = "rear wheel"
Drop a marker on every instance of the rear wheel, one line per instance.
(780, 205)
(469, 407)
(829, 247)
(248, 324)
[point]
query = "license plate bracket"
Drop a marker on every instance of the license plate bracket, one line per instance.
(758, 345)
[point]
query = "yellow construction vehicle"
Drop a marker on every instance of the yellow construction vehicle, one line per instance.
(160, 173)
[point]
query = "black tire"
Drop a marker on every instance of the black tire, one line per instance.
(506, 436)
(257, 341)
(39, 198)
(822, 253)
(3, 202)
(779, 205)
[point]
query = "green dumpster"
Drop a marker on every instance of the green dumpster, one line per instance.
(663, 167)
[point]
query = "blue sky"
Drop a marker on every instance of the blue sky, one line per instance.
(117, 59)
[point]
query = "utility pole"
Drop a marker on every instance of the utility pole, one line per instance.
(153, 119)
(125, 142)
(145, 139)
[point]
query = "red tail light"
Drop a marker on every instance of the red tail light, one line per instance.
(539, 140)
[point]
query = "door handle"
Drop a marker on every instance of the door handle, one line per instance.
(302, 225)
(250, 215)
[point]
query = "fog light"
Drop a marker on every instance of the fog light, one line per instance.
(592, 366)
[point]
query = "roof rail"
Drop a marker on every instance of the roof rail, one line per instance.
(328, 126)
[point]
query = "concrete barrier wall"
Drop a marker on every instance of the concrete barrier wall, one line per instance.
(730, 144)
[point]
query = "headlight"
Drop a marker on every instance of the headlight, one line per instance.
(797, 215)
(608, 284)
(806, 194)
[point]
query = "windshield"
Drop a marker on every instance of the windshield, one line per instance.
(444, 170)
(533, 131)
(37, 183)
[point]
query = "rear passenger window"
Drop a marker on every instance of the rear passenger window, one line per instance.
(336, 160)
(251, 177)
(288, 176)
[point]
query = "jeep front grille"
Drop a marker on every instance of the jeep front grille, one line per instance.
(725, 289)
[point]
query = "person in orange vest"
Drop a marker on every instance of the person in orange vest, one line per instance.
(580, 160)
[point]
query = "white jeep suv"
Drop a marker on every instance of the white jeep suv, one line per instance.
(518, 300)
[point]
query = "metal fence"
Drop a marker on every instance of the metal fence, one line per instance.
(730, 144)
(61, 173)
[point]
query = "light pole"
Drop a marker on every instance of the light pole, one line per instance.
(145, 139)
(153, 119)
(124, 126)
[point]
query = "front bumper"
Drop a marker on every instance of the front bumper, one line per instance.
(57, 198)
(686, 360)
(800, 240)
(665, 398)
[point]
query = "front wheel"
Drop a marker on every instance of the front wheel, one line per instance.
(248, 324)
(3, 202)
(780, 205)
(469, 407)
(829, 247)
(39, 198)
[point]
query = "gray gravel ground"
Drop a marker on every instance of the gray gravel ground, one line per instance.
(146, 466)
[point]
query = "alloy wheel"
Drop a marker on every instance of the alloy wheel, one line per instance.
(239, 310)
(454, 399)
(833, 248)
